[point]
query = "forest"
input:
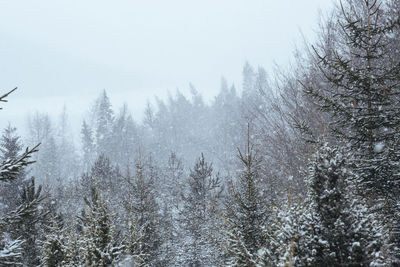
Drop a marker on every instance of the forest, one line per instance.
(299, 167)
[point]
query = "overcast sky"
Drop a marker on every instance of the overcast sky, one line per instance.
(66, 52)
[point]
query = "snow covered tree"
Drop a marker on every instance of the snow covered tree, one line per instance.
(104, 120)
(283, 231)
(87, 146)
(336, 231)
(142, 208)
(124, 138)
(41, 131)
(10, 147)
(10, 143)
(103, 175)
(10, 169)
(28, 228)
(170, 187)
(53, 247)
(198, 213)
(226, 117)
(99, 246)
(246, 213)
(134, 241)
(362, 93)
(72, 249)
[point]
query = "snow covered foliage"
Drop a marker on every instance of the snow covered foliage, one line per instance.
(335, 228)
(98, 246)
(17, 246)
(283, 231)
(10, 147)
(11, 168)
(362, 92)
(246, 214)
(53, 247)
(29, 227)
(11, 251)
(198, 213)
(143, 218)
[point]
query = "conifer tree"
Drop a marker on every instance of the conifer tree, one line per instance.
(362, 96)
(362, 93)
(53, 247)
(198, 214)
(11, 249)
(143, 208)
(87, 146)
(98, 244)
(29, 227)
(246, 214)
(10, 147)
(134, 240)
(336, 229)
(104, 120)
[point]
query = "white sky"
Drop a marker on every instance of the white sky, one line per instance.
(66, 52)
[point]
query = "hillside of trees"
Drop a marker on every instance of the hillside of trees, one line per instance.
(299, 167)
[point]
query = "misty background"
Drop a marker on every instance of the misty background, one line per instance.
(65, 53)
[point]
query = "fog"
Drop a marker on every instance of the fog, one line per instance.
(66, 52)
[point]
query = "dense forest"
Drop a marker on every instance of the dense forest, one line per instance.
(299, 167)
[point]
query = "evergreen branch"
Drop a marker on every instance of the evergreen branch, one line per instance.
(11, 168)
(3, 97)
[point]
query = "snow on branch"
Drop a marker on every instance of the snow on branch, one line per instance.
(11, 253)
(11, 168)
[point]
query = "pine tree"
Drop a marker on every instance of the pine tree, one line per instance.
(124, 138)
(134, 240)
(53, 247)
(98, 244)
(198, 214)
(104, 120)
(73, 255)
(246, 214)
(362, 96)
(143, 208)
(103, 175)
(283, 231)
(336, 229)
(10, 147)
(66, 153)
(169, 193)
(28, 228)
(87, 146)
(362, 93)
(10, 169)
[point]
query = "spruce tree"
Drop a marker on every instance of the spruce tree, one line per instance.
(246, 214)
(10, 147)
(104, 120)
(336, 231)
(362, 93)
(199, 212)
(29, 227)
(142, 207)
(87, 146)
(98, 244)
(11, 249)
(53, 247)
